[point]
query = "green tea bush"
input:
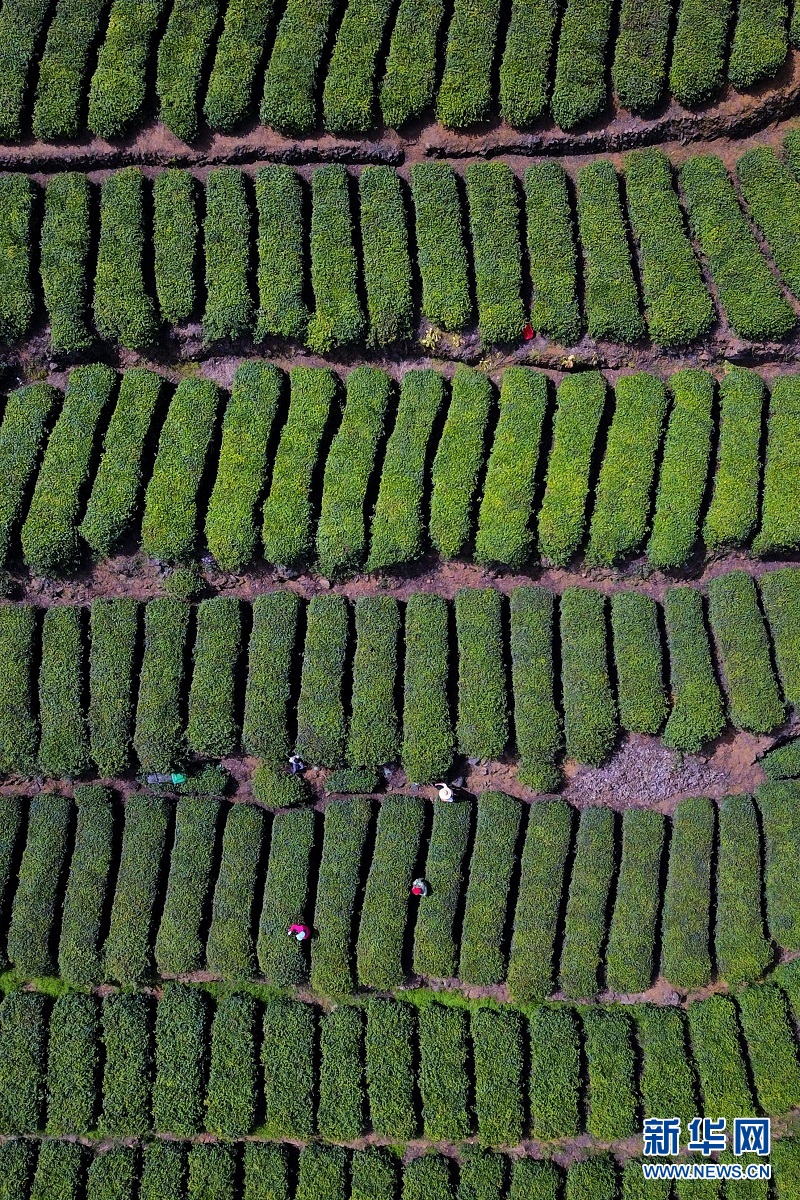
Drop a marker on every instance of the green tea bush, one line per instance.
(535, 1179)
(622, 501)
(338, 318)
(741, 637)
(11, 814)
(240, 49)
(409, 83)
(230, 950)
(427, 731)
(289, 103)
(494, 858)
(748, 291)
(17, 306)
(593, 1179)
(50, 541)
(159, 734)
(176, 233)
(391, 1030)
(18, 726)
(678, 308)
(780, 526)
(611, 298)
(786, 1156)
(266, 1171)
(60, 1171)
(579, 89)
(128, 945)
(590, 716)
(181, 1031)
(638, 659)
(435, 953)
(21, 26)
(127, 1072)
(116, 492)
(698, 50)
(684, 470)
(441, 248)
(73, 1059)
(717, 1048)
(632, 936)
(639, 72)
(340, 1111)
(180, 940)
(350, 465)
(482, 1174)
(37, 901)
(23, 1041)
(212, 1171)
(26, 419)
(609, 1051)
(497, 1046)
(182, 54)
(667, 1075)
(63, 745)
(585, 922)
(771, 1047)
(494, 220)
(732, 516)
(80, 960)
(282, 959)
(320, 708)
(64, 260)
(697, 711)
(396, 534)
(112, 1173)
(687, 899)
(338, 884)
(321, 1172)
(760, 43)
(526, 67)
(780, 596)
(282, 309)
(551, 252)
(458, 461)
(555, 1079)
(482, 728)
(226, 235)
(373, 1174)
(288, 510)
(124, 311)
(387, 264)
(212, 728)
(443, 1078)
(113, 636)
(465, 91)
(770, 190)
(163, 1170)
(533, 946)
(537, 722)
(119, 83)
(782, 762)
(777, 803)
(373, 735)
(580, 402)
(287, 1056)
(384, 912)
(63, 67)
(505, 532)
(348, 98)
(233, 1067)
(169, 524)
(270, 662)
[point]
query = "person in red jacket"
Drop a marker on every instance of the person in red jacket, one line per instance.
(419, 888)
(301, 932)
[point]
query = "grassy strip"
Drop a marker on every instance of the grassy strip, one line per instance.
(348, 98)
(783, 761)
(397, 530)
(159, 734)
(240, 49)
(282, 310)
(182, 54)
(732, 516)
(435, 952)
(320, 708)
(441, 248)
(771, 1047)
(17, 303)
(265, 728)
(340, 1110)
(379, 949)
(747, 289)
(760, 42)
(35, 914)
(494, 858)
(778, 804)
(226, 240)
(284, 960)
(127, 949)
(73, 1060)
(181, 938)
(622, 500)
(338, 884)
(684, 470)
(590, 714)
(497, 1046)
(717, 1049)
(611, 297)
(232, 1071)
(124, 312)
(176, 233)
(408, 86)
(11, 814)
(63, 68)
(741, 950)
(639, 662)
(26, 417)
(288, 509)
(338, 318)
(698, 50)
(428, 741)
(780, 521)
(526, 67)
(754, 702)
(391, 1032)
(64, 261)
(494, 219)
(579, 90)
(119, 84)
(287, 1055)
(127, 1072)
(289, 103)
(18, 726)
(687, 899)
(632, 937)
(117, 488)
(21, 25)
(552, 254)
(230, 948)
(580, 402)
(350, 465)
(50, 541)
(780, 595)
(387, 263)
(531, 963)
(373, 736)
(442, 1077)
(113, 635)
(585, 926)
(63, 745)
(180, 1036)
(23, 1039)
(771, 193)
(639, 72)
(609, 1050)
(458, 461)
(482, 728)
(697, 714)
(465, 92)
(667, 1075)
(555, 1080)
